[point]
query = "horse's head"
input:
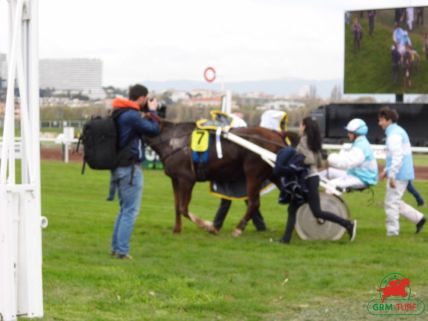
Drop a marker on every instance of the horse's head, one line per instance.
(165, 124)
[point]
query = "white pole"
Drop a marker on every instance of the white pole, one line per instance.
(8, 131)
(30, 287)
(20, 202)
(8, 201)
(228, 101)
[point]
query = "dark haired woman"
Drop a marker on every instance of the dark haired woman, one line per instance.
(310, 147)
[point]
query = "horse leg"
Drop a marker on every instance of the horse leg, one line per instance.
(253, 190)
(184, 193)
(177, 227)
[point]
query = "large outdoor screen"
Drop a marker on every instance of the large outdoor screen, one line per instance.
(333, 118)
(386, 51)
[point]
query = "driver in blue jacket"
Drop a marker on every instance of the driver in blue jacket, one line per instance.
(355, 167)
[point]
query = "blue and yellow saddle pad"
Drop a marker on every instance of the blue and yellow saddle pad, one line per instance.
(199, 144)
(200, 140)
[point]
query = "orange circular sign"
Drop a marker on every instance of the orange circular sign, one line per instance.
(209, 74)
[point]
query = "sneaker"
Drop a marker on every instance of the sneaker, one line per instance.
(113, 253)
(124, 257)
(392, 234)
(284, 241)
(352, 231)
(420, 225)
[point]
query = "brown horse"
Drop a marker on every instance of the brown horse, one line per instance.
(173, 148)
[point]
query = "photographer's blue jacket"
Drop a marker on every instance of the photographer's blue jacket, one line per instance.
(131, 127)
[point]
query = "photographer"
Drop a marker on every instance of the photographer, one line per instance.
(161, 112)
(128, 177)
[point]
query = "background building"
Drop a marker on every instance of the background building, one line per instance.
(82, 76)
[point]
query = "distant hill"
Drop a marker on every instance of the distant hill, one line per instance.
(283, 87)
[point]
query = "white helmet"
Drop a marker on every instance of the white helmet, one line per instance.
(357, 126)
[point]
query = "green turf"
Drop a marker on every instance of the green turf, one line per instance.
(369, 70)
(198, 276)
(420, 159)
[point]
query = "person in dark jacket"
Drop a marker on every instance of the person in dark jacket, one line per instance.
(128, 177)
(358, 34)
(310, 148)
(371, 14)
(223, 209)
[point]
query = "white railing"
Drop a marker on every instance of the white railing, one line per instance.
(21, 286)
(66, 142)
(66, 139)
(379, 150)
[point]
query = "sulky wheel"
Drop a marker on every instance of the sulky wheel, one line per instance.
(308, 227)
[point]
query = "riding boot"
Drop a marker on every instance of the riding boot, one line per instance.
(221, 213)
(291, 222)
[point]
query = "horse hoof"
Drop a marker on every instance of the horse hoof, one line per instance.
(208, 225)
(237, 232)
(213, 231)
(210, 228)
(176, 230)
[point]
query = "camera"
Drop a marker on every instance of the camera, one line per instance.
(161, 108)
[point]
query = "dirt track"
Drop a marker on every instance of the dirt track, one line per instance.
(421, 172)
(56, 154)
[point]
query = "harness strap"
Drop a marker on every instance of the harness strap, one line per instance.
(132, 174)
(201, 172)
(218, 143)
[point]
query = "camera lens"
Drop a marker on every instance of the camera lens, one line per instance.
(161, 110)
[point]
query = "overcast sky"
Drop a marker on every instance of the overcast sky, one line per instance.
(160, 40)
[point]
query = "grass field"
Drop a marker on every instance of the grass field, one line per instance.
(370, 69)
(420, 160)
(198, 276)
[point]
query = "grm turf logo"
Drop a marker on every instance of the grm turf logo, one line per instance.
(395, 298)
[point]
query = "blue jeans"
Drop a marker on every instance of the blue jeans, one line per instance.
(130, 203)
(412, 190)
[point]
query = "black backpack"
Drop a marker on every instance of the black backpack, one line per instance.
(100, 143)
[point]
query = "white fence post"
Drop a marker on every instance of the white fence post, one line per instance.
(226, 104)
(21, 290)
